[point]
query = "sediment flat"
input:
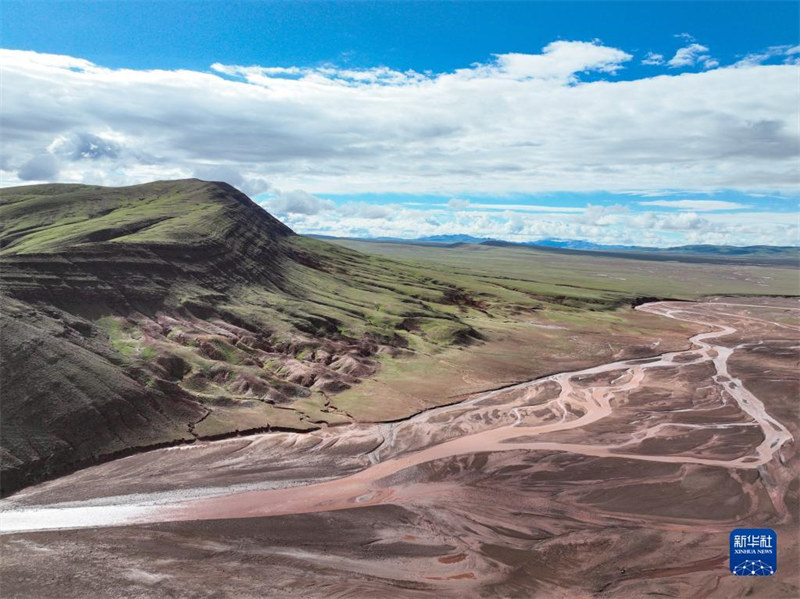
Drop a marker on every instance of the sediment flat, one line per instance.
(621, 480)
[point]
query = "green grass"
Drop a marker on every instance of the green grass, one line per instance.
(581, 279)
(351, 289)
(126, 339)
(119, 338)
(168, 212)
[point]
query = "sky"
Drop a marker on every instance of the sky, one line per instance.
(636, 123)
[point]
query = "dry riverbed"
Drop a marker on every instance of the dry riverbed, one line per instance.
(618, 480)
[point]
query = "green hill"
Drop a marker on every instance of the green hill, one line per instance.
(163, 312)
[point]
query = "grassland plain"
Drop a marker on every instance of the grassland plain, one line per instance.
(550, 311)
(162, 313)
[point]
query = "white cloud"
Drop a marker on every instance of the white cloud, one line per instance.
(683, 221)
(653, 59)
(290, 204)
(559, 60)
(698, 205)
(608, 225)
(366, 210)
(517, 123)
(80, 145)
(602, 216)
(458, 204)
(691, 55)
(757, 58)
(297, 202)
(229, 174)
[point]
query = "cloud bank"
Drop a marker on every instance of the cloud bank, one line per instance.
(615, 224)
(560, 120)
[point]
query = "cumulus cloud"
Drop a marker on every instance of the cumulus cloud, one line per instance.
(602, 216)
(84, 146)
(683, 221)
(297, 202)
(559, 60)
(514, 123)
(609, 225)
(786, 52)
(692, 55)
(653, 59)
(251, 185)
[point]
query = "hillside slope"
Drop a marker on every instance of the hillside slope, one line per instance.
(174, 310)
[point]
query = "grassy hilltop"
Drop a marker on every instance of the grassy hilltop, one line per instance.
(176, 310)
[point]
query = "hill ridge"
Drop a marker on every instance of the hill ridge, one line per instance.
(175, 310)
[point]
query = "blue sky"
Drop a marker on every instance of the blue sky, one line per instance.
(441, 36)
(656, 123)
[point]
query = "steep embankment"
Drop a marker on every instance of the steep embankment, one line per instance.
(158, 313)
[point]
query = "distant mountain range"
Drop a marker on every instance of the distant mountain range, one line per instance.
(576, 244)
(754, 255)
(572, 244)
